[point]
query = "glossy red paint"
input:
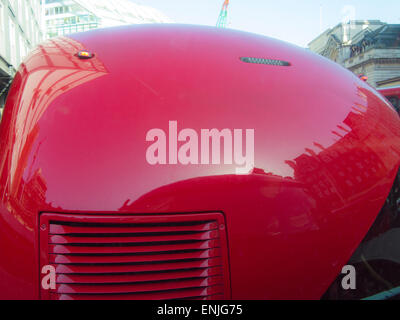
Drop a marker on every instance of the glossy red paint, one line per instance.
(72, 141)
(390, 91)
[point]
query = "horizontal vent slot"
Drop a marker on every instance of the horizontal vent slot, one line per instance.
(271, 62)
(155, 295)
(203, 263)
(128, 225)
(138, 277)
(68, 240)
(136, 287)
(138, 249)
(70, 259)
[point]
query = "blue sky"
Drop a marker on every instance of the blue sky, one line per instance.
(295, 21)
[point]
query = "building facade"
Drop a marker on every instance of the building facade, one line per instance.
(370, 48)
(69, 16)
(21, 29)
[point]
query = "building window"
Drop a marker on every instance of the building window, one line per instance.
(13, 43)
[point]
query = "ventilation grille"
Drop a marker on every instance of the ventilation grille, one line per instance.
(271, 62)
(136, 257)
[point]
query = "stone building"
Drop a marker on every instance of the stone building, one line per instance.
(371, 48)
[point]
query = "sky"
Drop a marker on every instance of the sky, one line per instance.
(295, 21)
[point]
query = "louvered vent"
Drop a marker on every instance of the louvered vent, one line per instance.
(135, 257)
(271, 62)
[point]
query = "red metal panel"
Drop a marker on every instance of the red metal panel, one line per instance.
(390, 91)
(198, 268)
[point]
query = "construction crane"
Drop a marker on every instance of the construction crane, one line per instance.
(223, 16)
